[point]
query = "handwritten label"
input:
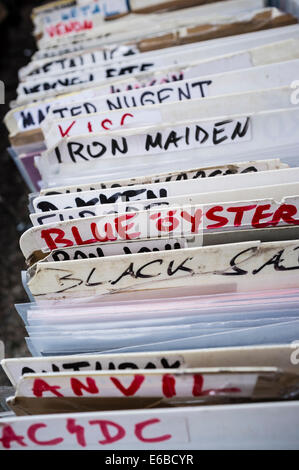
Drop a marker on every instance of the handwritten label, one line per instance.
(97, 123)
(67, 27)
(176, 91)
(124, 384)
(93, 430)
(31, 118)
(93, 74)
(2, 92)
(204, 134)
(49, 53)
(65, 14)
(97, 58)
(110, 228)
(57, 84)
(88, 10)
(100, 74)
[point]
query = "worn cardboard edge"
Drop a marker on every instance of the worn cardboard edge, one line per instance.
(244, 356)
(269, 386)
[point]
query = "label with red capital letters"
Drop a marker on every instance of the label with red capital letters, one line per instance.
(99, 123)
(168, 222)
(165, 384)
(92, 431)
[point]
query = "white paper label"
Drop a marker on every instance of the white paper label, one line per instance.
(210, 133)
(168, 385)
(95, 430)
(84, 60)
(113, 249)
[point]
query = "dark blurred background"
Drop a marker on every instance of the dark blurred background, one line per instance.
(16, 46)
